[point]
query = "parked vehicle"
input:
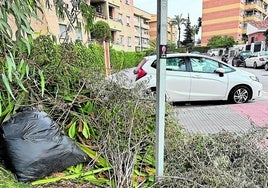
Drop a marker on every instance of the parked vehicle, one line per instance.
(239, 58)
(193, 77)
(225, 58)
(213, 52)
(257, 60)
(266, 66)
(196, 52)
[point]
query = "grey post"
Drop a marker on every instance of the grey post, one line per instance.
(161, 85)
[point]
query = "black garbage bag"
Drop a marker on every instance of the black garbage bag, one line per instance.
(34, 146)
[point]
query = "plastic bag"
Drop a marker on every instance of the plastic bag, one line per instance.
(34, 146)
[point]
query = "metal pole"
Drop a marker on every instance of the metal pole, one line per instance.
(161, 85)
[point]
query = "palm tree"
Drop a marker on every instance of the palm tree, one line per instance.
(171, 24)
(179, 20)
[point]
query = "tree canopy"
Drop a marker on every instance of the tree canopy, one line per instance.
(221, 41)
(102, 31)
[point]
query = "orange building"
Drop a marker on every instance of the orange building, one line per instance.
(172, 30)
(230, 17)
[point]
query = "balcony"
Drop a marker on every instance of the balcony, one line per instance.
(115, 3)
(115, 24)
(255, 6)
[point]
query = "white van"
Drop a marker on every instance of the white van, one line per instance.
(215, 52)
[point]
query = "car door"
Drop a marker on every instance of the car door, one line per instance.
(250, 61)
(205, 83)
(177, 79)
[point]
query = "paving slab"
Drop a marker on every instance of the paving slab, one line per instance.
(213, 119)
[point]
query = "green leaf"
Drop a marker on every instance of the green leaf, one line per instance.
(72, 176)
(10, 67)
(72, 130)
(76, 169)
(85, 130)
(19, 82)
(6, 82)
(94, 156)
(27, 70)
(27, 45)
(0, 108)
(42, 78)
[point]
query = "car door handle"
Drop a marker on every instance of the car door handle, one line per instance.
(196, 76)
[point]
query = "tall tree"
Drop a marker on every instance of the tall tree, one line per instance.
(171, 24)
(188, 33)
(179, 21)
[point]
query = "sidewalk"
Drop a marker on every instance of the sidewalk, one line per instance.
(232, 118)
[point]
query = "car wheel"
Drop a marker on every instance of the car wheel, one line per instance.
(266, 66)
(239, 94)
(152, 94)
(255, 65)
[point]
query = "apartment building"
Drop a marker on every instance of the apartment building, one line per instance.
(230, 17)
(129, 25)
(172, 30)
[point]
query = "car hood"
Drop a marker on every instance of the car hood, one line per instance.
(243, 72)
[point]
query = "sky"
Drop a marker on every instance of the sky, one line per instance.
(175, 7)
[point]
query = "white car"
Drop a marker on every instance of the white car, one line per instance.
(194, 77)
(257, 60)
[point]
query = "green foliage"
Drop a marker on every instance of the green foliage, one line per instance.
(101, 31)
(221, 41)
(179, 21)
(188, 34)
(121, 60)
(218, 160)
(14, 53)
(44, 51)
(89, 14)
(7, 180)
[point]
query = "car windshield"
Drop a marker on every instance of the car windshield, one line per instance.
(264, 53)
(246, 53)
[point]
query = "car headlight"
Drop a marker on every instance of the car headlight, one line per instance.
(255, 78)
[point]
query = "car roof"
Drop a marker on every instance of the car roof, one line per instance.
(180, 55)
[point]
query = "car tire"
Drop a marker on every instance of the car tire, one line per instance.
(255, 65)
(266, 66)
(152, 94)
(239, 94)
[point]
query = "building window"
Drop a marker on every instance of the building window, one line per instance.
(128, 21)
(120, 18)
(129, 41)
(127, 2)
(63, 31)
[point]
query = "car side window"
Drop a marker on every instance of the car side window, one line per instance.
(176, 64)
(226, 68)
(204, 65)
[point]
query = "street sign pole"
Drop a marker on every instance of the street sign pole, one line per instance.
(161, 85)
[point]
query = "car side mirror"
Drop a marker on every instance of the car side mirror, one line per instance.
(220, 71)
